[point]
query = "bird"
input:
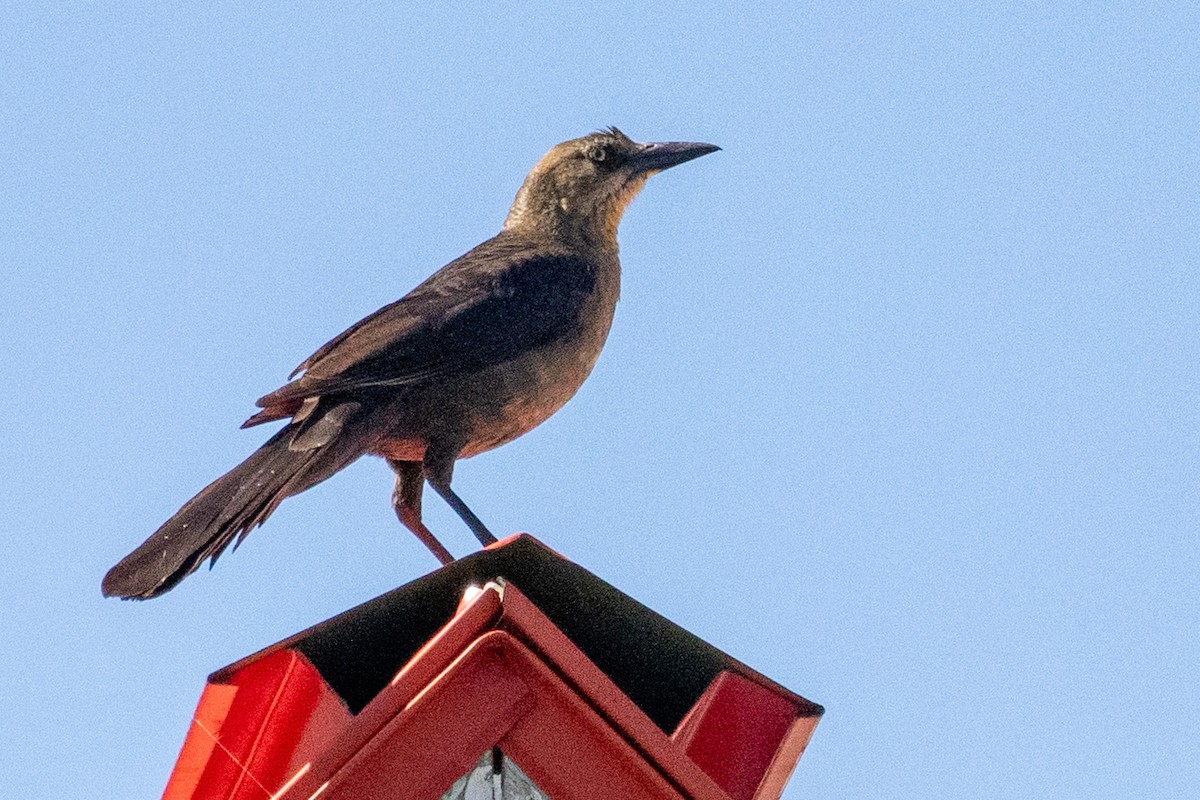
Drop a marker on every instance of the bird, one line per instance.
(481, 352)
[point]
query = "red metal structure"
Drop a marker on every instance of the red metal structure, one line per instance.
(514, 650)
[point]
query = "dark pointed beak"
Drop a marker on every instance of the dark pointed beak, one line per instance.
(657, 156)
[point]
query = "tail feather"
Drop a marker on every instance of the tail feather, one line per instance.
(225, 512)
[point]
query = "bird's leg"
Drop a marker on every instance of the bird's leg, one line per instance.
(406, 500)
(439, 467)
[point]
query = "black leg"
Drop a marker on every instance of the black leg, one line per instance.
(406, 500)
(439, 468)
(468, 516)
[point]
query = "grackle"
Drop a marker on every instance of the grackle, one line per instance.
(483, 351)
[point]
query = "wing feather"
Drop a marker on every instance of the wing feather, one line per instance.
(499, 300)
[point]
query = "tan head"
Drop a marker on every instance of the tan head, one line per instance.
(582, 186)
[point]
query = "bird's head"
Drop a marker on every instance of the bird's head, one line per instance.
(582, 186)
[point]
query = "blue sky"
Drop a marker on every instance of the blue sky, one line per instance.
(899, 407)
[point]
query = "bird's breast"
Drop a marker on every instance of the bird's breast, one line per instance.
(526, 391)
(489, 407)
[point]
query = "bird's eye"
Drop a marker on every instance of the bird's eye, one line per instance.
(597, 153)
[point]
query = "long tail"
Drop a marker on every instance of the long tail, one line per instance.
(228, 509)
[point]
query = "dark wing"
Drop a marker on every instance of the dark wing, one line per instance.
(496, 302)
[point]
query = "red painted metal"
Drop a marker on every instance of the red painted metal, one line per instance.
(439, 735)
(245, 732)
(500, 673)
(497, 693)
(201, 741)
(734, 732)
(525, 621)
(473, 619)
(568, 749)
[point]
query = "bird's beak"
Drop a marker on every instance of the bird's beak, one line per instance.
(657, 156)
